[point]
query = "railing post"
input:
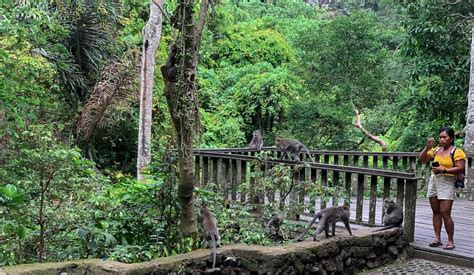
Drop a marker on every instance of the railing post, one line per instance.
(347, 180)
(410, 208)
(205, 171)
(197, 170)
(386, 184)
(360, 193)
(214, 170)
(400, 191)
(324, 181)
(237, 177)
(335, 180)
(243, 179)
(373, 193)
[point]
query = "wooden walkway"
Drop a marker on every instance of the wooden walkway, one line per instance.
(463, 216)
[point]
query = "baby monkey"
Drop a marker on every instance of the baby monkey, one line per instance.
(329, 216)
(292, 148)
(211, 233)
(276, 222)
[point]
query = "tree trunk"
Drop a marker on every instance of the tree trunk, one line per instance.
(181, 94)
(151, 41)
(469, 139)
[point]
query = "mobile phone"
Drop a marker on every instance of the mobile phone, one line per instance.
(435, 164)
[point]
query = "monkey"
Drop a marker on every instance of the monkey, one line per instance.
(169, 70)
(257, 141)
(210, 233)
(393, 214)
(329, 216)
(292, 148)
(276, 221)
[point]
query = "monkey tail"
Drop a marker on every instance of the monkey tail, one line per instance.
(214, 250)
(316, 216)
(385, 227)
(309, 154)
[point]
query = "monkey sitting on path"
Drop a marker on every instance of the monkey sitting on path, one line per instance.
(393, 214)
(211, 233)
(292, 148)
(329, 216)
(276, 221)
(257, 141)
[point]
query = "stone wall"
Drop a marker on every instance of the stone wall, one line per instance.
(340, 254)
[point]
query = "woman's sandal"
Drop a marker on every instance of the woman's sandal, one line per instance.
(436, 244)
(449, 247)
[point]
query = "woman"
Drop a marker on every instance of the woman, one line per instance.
(441, 191)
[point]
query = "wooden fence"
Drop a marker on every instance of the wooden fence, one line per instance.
(399, 174)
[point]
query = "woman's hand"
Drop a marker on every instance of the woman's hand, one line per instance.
(438, 169)
(430, 143)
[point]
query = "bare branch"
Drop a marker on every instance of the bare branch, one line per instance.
(367, 133)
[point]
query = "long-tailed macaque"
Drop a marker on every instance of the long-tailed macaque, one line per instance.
(292, 148)
(276, 221)
(211, 233)
(393, 214)
(257, 141)
(329, 216)
(169, 70)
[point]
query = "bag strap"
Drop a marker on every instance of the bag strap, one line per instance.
(451, 153)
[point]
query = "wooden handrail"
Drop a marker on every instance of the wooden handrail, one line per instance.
(230, 167)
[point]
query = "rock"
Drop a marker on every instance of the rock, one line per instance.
(213, 271)
(232, 261)
(344, 254)
(361, 263)
(329, 264)
(371, 255)
(410, 251)
(393, 250)
(360, 252)
(348, 261)
(373, 263)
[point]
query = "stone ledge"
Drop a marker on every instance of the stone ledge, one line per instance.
(343, 253)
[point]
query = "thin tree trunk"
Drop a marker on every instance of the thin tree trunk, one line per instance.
(151, 41)
(182, 97)
(469, 138)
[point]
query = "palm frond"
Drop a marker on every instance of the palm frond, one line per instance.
(114, 87)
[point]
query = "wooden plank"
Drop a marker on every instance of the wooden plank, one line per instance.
(335, 180)
(373, 199)
(238, 179)
(234, 166)
(205, 171)
(400, 191)
(243, 169)
(410, 209)
(197, 170)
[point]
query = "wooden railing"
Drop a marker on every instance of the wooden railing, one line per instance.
(395, 161)
(356, 172)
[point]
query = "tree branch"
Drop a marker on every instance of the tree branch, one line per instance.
(199, 28)
(358, 125)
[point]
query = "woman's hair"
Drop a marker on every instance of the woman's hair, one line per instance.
(449, 131)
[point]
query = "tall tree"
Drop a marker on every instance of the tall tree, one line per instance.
(151, 41)
(181, 93)
(469, 139)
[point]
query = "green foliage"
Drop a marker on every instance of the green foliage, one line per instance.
(251, 43)
(437, 47)
(54, 181)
